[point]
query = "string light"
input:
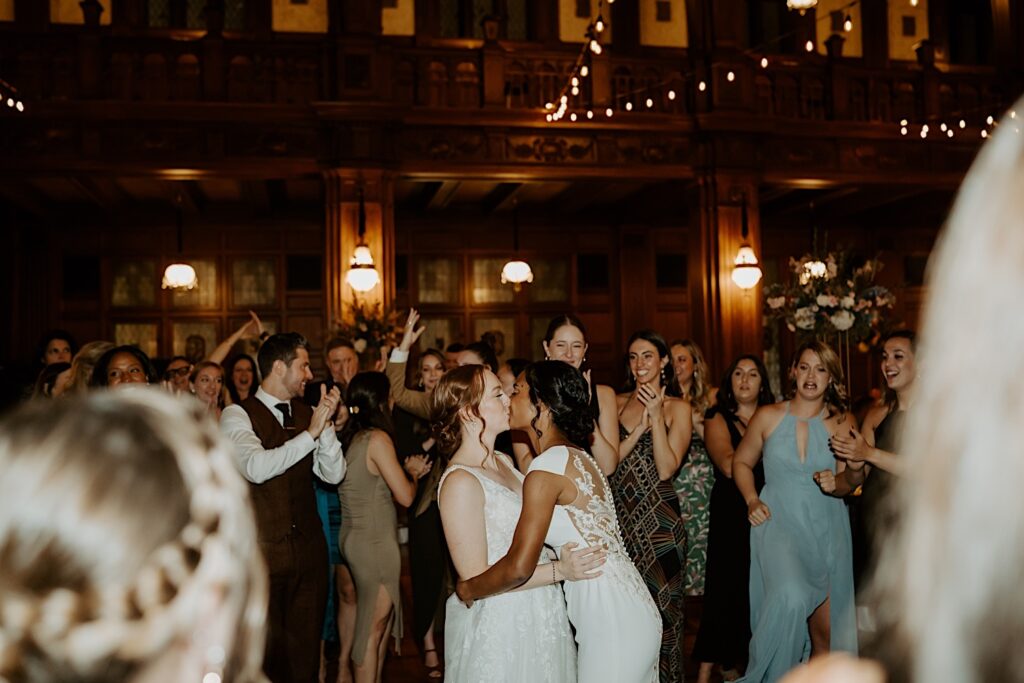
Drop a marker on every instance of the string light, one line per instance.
(9, 96)
(629, 106)
(848, 24)
(649, 103)
(671, 94)
(943, 127)
(764, 62)
(730, 77)
(584, 71)
(608, 112)
(903, 130)
(989, 120)
(809, 46)
(590, 114)
(599, 24)
(963, 124)
(984, 134)
(702, 86)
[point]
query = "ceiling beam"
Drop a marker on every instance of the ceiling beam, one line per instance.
(444, 194)
(501, 197)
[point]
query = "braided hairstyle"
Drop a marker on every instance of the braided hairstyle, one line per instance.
(563, 390)
(126, 534)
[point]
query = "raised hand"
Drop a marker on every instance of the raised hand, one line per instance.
(324, 410)
(758, 513)
(411, 334)
(578, 565)
(254, 327)
(826, 481)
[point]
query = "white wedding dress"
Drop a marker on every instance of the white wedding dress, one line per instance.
(518, 636)
(618, 627)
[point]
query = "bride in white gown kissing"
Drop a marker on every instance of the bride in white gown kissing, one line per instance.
(566, 500)
(521, 635)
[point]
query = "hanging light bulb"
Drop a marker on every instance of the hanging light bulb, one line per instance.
(599, 24)
(848, 24)
(764, 62)
(809, 46)
(746, 272)
(649, 103)
(702, 86)
(515, 270)
(731, 76)
(671, 94)
(608, 112)
(629, 106)
(584, 70)
(362, 275)
(595, 46)
(179, 275)
(801, 5)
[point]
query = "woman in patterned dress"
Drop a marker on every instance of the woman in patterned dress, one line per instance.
(696, 477)
(655, 434)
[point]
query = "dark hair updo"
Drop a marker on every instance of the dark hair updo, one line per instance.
(563, 390)
(367, 401)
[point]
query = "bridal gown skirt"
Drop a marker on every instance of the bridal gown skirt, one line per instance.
(520, 636)
(618, 632)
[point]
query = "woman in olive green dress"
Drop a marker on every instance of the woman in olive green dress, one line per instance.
(369, 524)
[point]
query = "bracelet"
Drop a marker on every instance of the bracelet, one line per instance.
(554, 576)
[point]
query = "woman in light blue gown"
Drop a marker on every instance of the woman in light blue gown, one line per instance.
(801, 558)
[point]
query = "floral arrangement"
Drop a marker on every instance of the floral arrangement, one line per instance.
(831, 296)
(370, 330)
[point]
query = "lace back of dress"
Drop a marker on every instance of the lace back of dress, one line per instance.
(593, 511)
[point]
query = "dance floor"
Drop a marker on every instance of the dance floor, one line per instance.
(408, 667)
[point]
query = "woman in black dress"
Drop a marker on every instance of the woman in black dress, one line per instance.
(870, 454)
(428, 556)
(724, 633)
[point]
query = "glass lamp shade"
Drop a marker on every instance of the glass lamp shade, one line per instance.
(746, 273)
(516, 272)
(180, 276)
(362, 275)
(801, 5)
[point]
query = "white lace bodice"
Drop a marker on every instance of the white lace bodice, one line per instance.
(590, 519)
(502, 507)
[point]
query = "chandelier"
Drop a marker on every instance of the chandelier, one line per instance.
(801, 5)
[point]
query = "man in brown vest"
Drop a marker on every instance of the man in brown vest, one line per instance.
(281, 444)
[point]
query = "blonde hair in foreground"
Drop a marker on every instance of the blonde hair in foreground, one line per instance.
(127, 545)
(948, 585)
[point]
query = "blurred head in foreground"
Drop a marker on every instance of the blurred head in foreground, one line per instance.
(948, 590)
(127, 545)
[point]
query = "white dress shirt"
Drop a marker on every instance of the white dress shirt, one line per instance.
(259, 464)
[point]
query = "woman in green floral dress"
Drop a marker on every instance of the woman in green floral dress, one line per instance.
(696, 477)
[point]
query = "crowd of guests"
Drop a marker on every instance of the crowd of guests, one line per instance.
(147, 536)
(677, 462)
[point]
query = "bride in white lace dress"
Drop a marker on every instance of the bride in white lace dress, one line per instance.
(522, 635)
(566, 499)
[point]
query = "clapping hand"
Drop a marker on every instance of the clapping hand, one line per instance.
(417, 466)
(653, 400)
(324, 410)
(853, 448)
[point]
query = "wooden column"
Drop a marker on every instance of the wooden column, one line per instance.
(341, 236)
(726, 320)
